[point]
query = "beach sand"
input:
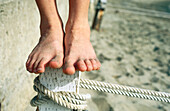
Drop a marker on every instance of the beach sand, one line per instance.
(134, 50)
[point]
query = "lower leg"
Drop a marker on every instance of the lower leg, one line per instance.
(78, 13)
(79, 53)
(49, 50)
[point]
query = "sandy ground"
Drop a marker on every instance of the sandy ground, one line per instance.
(134, 50)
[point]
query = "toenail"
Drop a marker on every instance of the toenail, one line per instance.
(39, 69)
(82, 66)
(30, 69)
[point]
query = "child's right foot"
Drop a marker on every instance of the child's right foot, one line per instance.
(48, 52)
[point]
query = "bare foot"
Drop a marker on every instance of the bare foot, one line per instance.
(79, 53)
(48, 52)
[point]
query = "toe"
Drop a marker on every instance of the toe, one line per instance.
(98, 64)
(41, 65)
(28, 61)
(36, 65)
(31, 64)
(94, 64)
(88, 65)
(56, 62)
(68, 68)
(81, 66)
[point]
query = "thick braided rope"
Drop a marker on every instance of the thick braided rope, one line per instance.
(123, 88)
(125, 93)
(61, 98)
(76, 101)
(68, 96)
(38, 101)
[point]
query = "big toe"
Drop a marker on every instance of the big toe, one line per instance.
(68, 68)
(56, 62)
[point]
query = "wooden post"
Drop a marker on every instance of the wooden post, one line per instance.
(55, 80)
(100, 7)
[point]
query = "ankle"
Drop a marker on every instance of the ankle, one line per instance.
(51, 26)
(77, 24)
(78, 30)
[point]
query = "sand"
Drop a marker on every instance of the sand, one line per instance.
(134, 50)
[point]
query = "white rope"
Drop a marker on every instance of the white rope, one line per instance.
(123, 88)
(67, 99)
(125, 93)
(76, 101)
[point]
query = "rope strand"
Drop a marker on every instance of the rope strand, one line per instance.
(123, 88)
(72, 100)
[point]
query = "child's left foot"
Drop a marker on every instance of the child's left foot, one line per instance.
(79, 53)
